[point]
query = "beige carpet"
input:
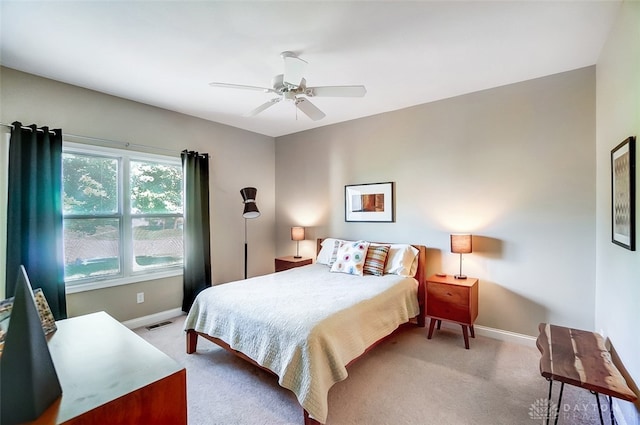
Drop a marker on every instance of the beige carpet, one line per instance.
(405, 380)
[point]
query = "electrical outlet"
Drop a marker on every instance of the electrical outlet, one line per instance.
(140, 297)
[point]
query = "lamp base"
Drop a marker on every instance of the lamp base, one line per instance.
(460, 276)
(297, 256)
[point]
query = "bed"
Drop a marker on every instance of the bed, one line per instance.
(306, 325)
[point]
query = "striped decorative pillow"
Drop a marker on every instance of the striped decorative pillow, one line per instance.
(376, 259)
(334, 252)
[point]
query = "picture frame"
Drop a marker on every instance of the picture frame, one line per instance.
(5, 315)
(623, 194)
(370, 202)
(44, 311)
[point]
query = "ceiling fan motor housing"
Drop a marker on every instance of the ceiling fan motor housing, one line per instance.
(280, 87)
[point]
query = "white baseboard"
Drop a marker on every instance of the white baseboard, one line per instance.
(153, 318)
(498, 334)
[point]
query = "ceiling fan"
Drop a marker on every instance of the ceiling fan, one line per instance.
(292, 87)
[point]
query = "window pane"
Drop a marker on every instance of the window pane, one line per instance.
(91, 248)
(89, 184)
(157, 242)
(155, 188)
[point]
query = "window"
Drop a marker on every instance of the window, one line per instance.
(122, 215)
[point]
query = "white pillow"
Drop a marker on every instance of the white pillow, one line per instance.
(402, 260)
(351, 257)
(327, 254)
(324, 256)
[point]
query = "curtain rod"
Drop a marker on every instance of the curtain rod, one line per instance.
(126, 145)
(24, 127)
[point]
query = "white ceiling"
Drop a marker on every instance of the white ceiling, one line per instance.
(164, 53)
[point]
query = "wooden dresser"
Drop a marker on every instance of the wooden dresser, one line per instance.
(109, 375)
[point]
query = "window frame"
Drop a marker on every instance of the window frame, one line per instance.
(127, 273)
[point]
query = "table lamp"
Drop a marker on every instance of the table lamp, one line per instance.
(461, 244)
(297, 234)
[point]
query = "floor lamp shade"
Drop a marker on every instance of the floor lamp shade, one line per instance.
(297, 234)
(461, 244)
(249, 199)
(250, 211)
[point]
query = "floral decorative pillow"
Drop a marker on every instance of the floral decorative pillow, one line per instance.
(351, 257)
(376, 259)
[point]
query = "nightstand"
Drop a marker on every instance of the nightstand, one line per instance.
(453, 300)
(286, 263)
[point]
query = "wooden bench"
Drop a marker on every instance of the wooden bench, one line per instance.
(580, 358)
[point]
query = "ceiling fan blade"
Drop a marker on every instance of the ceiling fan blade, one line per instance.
(336, 91)
(294, 68)
(262, 107)
(240, 86)
(309, 109)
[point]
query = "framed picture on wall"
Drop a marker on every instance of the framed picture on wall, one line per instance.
(372, 202)
(44, 311)
(5, 315)
(623, 194)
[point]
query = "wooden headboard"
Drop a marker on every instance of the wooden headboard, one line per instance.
(421, 276)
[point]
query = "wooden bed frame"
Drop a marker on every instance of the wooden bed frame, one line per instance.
(192, 335)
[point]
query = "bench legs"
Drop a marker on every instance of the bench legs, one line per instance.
(549, 403)
(557, 409)
(600, 408)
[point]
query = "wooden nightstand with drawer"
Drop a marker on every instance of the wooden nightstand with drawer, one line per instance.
(286, 263)
(453, 300)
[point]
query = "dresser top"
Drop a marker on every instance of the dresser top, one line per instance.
(98, 359)
(450, 280)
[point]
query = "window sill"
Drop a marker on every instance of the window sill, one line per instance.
(101, 284)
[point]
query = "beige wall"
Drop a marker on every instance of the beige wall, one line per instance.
(239, 159)
(617, 269)
(514, 165)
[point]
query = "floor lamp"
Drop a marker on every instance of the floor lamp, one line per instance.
(250, 211)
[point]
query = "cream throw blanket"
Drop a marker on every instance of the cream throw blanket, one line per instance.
(305, 324)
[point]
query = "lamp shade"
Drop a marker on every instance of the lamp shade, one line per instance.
(250, 210)
(248, 194)
(461, 244)
(297, 233)
(249, 199)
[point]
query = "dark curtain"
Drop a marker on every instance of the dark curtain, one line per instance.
(34, 213)
(197, 250)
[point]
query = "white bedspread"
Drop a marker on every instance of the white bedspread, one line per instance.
(305, 324)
